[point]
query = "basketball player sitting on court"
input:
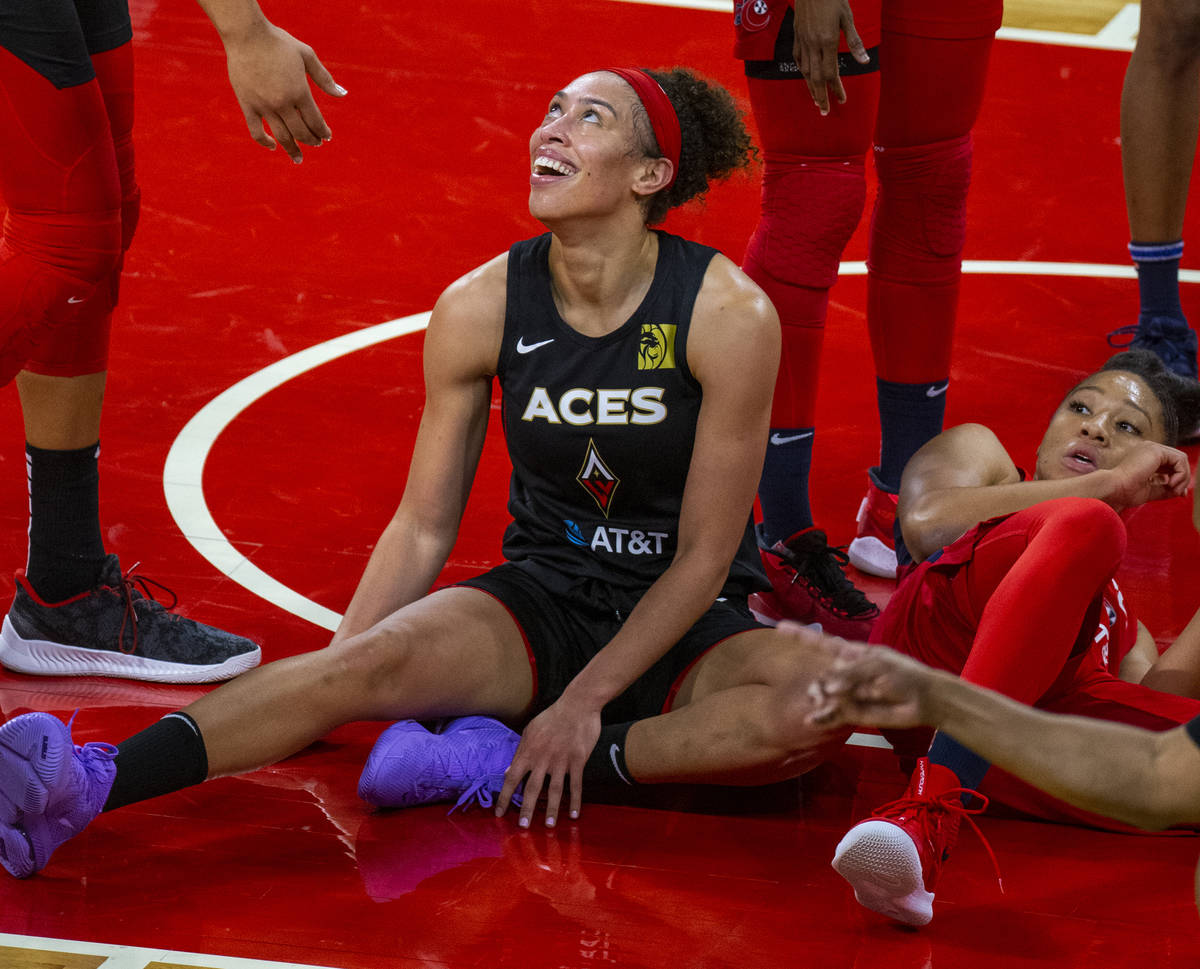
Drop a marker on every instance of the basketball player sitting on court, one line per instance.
(636, 371)
(1015, 592)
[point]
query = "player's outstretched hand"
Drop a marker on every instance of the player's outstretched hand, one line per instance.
(861, 685)
(269, 71)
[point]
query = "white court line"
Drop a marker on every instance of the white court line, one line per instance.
(183, 472)
(131, 957)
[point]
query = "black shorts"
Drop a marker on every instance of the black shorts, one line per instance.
(57, 37)
(562, 634)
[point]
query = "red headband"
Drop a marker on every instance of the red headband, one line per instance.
(664, 122)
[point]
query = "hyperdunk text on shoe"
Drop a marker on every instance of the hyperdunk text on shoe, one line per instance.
(410, 765)
(117, 629)
(892, 860)
(50, 789)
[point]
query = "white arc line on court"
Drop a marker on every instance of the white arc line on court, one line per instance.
(183, 472)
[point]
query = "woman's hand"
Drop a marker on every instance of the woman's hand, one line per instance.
(818, 25)
(554, 747)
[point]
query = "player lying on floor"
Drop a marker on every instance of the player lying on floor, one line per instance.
(1147, 778)
(1015, 592)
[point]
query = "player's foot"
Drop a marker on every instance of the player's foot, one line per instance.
(1169, 337)
(874, 548)
(50, 789)
(892, 860)
(116, 630)
(809, 586)
(409, 765)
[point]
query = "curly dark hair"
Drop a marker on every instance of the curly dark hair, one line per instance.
(1178, 396)
(715, 141)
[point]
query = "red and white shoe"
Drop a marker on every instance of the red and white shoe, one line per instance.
(892, 860)
(874, 549)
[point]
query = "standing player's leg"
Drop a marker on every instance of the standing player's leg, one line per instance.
(813, 193)
(68, 178)
(1160, 119)
(931, 54)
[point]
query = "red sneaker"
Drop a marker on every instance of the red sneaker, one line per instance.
(874, 550)
(893, 859)
(809, 586)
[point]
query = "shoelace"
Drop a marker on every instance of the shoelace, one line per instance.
(947, 803)
(483, 791)
(130, 583)
(825, 574)
(1154, 334)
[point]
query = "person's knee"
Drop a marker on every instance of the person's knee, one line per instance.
(782, 724)
(372, 662)
(810, 208)
(920, 221)
(64, 251)
(1086, 530)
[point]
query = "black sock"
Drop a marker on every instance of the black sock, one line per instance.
(967, 765)
(606, 763)
(167, 756)
(66, 549)
(909, 415)
(783, 487)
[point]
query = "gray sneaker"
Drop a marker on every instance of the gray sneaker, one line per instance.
(118, 630)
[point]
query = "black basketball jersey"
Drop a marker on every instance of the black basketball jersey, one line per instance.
(600, 429)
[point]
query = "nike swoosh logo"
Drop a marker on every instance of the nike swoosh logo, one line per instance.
(937, 391)
(612, 753)
(76, 299)
(778, 438)
(523, 347)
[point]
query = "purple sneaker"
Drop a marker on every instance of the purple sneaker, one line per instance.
(50, 789)
(409, 765)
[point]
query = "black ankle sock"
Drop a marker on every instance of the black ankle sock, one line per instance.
(606, 763)
(167, 756)
(66, 549)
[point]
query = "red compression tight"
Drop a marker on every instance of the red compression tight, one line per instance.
(67, 179)
(813, 192)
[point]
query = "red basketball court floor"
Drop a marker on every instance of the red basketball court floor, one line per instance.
(282, 483)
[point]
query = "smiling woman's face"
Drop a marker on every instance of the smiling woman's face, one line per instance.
(583, 155)
(1097, 423)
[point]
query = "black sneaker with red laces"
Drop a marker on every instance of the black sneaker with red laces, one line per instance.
(118, 629)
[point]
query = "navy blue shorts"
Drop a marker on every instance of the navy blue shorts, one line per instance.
(57, 37)
(563, 633)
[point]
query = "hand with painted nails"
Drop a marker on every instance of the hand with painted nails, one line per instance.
(269, 71)
(554, 747)
(818, 25)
